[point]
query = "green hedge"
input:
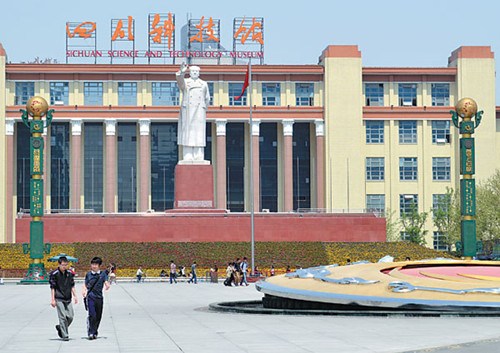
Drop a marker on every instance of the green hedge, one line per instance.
(158, 255)
(279, 254)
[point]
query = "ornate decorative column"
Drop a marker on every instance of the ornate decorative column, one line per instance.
(320, 163)
(256, 164)
(466, 109)
(221, 195)
(287, 164)
(9, 181)
(110, 167)
(144, 164)
(76, 164)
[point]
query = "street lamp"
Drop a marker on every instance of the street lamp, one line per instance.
(466, 109)
(36, 108)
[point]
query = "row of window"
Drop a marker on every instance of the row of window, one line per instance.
(407, 132)
(408, 168)
(164, 93)
(376, 202)
(407, 93)
(438, 240)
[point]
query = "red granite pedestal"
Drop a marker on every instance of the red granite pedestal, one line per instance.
(194, 189)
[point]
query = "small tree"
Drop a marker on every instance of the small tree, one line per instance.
(488, 208)
(447, 217)
(413, 224)
(391, 226)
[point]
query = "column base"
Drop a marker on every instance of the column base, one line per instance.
(36, 275)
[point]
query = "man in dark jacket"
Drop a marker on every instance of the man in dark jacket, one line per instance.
(62, 287)
(95, 281)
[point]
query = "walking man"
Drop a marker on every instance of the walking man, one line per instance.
(193, 273)
(95, 281)
(62, 288)
(173, 268)
(244, 269)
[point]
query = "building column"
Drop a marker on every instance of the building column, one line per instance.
(256, 164)
(9, 181)
(144, 164)
(110, 167)
(221, 195)
(320, 163)
(76, 164)
(287, 164)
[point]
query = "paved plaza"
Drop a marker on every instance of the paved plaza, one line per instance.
(159, 317)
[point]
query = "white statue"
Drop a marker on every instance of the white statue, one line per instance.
(193, 115)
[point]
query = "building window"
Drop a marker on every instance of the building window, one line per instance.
(440, 202)
(235, 164)
(304, 94)
(268, 156)
(23, 166)
(404, 236)
(440, 131)
(234, 92)
(408, 168)
(301, 166)
(93, 166)
(59, 166)
(407, 94)
(211, 92)
(407, 202)
(208, 143)
(440, 93)
(441, 168)
(127, 167)
(92, 93)
(164, 157)
(374, 132)
(165, 93)
(375, 203)
(127, 93)
(374, 93)
(24, 91)
(439, 241)
(408, 132)
(59, 93)
(375, 168)
(271, 93)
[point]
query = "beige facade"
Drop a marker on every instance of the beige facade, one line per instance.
(347, 115)
(339, 101)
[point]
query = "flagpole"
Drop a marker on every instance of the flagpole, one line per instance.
(252, 219)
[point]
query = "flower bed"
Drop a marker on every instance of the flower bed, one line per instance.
(153, 257)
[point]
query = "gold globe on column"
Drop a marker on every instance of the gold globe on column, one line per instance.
(36, 108)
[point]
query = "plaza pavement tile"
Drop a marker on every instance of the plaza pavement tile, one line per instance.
(159, 317)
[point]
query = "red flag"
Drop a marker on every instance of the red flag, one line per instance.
(245, 84)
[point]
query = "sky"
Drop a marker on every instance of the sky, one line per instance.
(389, 33)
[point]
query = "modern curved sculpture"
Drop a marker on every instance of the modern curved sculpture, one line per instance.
(439, 285)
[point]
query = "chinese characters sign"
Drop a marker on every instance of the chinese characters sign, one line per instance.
(202, 40)
(36, 192)
(36, 151)
(467, 165)
(468, 193)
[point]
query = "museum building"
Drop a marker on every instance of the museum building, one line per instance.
(328, 138)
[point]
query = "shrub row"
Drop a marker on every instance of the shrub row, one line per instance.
(156, 256)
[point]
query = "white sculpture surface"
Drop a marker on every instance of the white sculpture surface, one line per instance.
(193, 114)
